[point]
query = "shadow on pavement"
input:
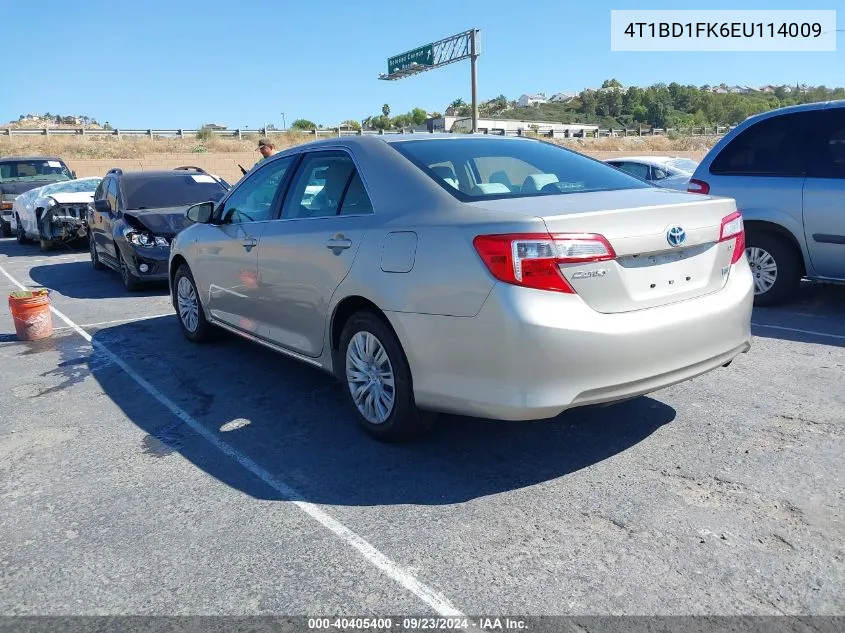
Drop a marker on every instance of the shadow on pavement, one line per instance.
(290, 420)
(80, 281)
(10, 248)
(815, 315)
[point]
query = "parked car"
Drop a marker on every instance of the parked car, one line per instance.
(19, 174)
(55, 213)
(136, 214)
(581, 285)
(670, 172)
(786, 170)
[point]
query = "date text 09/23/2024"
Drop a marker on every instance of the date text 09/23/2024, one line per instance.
(417, 624)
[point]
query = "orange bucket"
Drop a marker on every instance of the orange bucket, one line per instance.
(31, 313)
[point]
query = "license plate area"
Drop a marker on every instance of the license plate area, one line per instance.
(667, 272)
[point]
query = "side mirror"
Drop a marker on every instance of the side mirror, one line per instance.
(73, 175)
(102, 206)
(201, 213)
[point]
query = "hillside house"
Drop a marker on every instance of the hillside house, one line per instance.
(563, 97)
(526, 101)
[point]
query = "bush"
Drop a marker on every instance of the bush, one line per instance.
(204, 133)
(303, 124)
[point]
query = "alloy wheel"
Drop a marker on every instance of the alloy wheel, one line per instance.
(370, 377)
(764, 268)
(186, 299)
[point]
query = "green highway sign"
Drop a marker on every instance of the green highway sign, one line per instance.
(424, 55)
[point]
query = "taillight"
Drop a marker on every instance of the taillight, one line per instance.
(698, 186)
(5, 205)
(533, 259)
(733, 228)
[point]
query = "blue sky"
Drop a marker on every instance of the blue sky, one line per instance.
(180, 64)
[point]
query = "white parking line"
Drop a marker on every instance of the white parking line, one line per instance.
(422, 591)
(132, 319)
(792, 329)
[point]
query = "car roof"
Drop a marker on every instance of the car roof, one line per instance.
(157, 173)
(6, 159)
(372, 139)
(801, 107)
(649, 159)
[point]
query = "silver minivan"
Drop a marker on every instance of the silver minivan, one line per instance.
(786, 170)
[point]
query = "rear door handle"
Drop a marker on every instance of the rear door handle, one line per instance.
(249, 242)
(338, 242)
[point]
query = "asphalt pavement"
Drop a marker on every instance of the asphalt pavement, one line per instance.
(143, 474)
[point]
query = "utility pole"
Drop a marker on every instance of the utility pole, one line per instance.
(473, 62)
(284, 125)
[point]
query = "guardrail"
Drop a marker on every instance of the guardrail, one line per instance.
(336, 132)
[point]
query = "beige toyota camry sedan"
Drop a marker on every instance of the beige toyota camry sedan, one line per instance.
(504, 278)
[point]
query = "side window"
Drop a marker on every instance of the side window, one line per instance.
(356, 201)
(319, 185)
(635, 169)
(100, 192)
(252, 200)
(772, 147)
(658, 173)
(111, 194)
(826, 158)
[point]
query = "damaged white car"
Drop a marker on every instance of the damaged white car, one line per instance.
(54, 214)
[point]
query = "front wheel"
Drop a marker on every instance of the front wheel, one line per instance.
(775, 266)
(95, 258)
(192, 319)
(378, 380)
(130, 281)
(21, 234)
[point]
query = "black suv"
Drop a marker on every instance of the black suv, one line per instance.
(136, 214)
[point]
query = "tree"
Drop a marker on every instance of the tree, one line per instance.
(107, 126)
(402, 120)
(611, 83)
(303, 124)
(418, 116)
(352, 123)
(381, 122)
(385, 110)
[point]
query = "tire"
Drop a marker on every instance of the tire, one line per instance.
(45, 245)
(20, 235)
(92, 251)
(197, 330)
(767, 250)
(5, 232)
(402, 420)
(130, 281)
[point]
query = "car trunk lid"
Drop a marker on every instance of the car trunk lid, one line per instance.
(667, 244)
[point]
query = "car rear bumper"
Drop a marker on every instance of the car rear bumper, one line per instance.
(531, 354)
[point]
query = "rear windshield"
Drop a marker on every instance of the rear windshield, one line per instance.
(159, 192)
(477, 168)
(34, 170)
(684, 164)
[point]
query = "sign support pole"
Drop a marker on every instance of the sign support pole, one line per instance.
(474, 74)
